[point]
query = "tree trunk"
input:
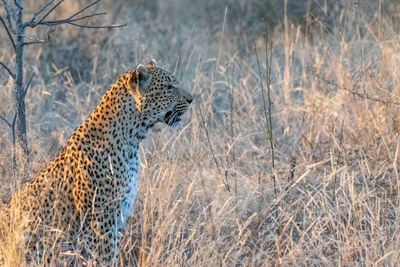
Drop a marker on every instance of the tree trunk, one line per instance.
(19, 92)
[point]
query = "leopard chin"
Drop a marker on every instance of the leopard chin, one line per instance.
(173, 118)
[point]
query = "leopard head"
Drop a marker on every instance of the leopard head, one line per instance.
(159, 96)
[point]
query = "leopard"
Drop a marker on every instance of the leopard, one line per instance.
(79, 203)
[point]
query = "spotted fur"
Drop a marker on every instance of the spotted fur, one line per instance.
(80, 201)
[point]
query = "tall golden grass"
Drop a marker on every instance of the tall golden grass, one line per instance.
(206, 194)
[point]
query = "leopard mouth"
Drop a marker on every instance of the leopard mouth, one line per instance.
(173, 118)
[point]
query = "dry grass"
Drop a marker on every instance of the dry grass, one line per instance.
(335, 122)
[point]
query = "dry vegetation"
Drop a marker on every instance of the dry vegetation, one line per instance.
(207, 195)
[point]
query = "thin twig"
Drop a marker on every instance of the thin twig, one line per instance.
(48, 13)
(209, 142)
(338, 157)
(17, 4)
(212, 150)
(292, 167)
(231, 106)
(269, 50)
(83, 9)
(387, 102)
(14, 156)
(6, 121)
(7, 9)
(14, 120)
(268, 114)
(28, 84)
(98, 27)
(58, 22)
(12, 74)
(38, 41)
(8, 32)
(40, 11)
(89, 16)
(365, 96)
(71, 19)
(65, 21)
(35, 42)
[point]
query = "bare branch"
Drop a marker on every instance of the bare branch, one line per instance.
(6, 121)
(372, 98)
(19, 5)
(71, 19)
(35, 42)
(98, 27)
(8, 12)
(361, 95)
(39, 41)
(83, 9)
(89, 16)
(32, 21)
(48, 13)
(8, 32)
(42, 9)
(14, 120)
(12, 74)
(67, 21)
(28, 84)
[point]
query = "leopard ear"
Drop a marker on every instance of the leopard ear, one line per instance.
(151, 64)
(143, 78)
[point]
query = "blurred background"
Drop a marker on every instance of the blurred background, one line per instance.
(180, 35)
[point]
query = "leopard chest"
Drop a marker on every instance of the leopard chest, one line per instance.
(127, 184)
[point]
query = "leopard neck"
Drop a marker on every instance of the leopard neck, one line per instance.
(116, 123)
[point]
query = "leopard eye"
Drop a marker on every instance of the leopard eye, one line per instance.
(170, 87)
